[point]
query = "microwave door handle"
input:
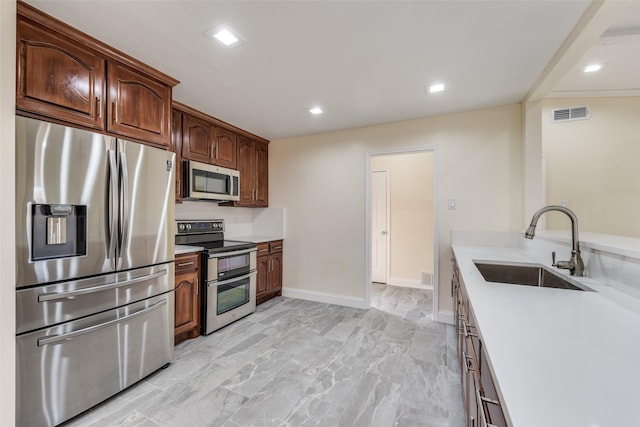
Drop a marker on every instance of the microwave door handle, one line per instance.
(125, 204)
(112, 208)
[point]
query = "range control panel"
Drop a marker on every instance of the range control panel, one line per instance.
(193, 227)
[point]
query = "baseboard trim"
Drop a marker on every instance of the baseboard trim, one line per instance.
(324, 297)
(408, 283)
(446, 317)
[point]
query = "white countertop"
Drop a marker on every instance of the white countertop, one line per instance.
(255, 238)
(185, 249)
(559, 357)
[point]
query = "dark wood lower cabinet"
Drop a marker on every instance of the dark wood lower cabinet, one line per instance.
(479, 394)
(269, 278)
(187, 297)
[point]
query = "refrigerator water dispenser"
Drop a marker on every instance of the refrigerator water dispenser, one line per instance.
(59, 231)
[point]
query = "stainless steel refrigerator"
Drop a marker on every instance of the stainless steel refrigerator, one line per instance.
(95, 271)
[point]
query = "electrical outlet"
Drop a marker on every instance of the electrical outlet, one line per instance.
(564, 203)
(451, 204)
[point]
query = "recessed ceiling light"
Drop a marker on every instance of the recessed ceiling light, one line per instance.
(225, 36)
(316, 110)
(592, 68)
(439, 87)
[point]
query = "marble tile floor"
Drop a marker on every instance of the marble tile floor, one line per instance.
(301, 363)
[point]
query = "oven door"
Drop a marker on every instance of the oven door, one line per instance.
(229, 300)
(231, 264)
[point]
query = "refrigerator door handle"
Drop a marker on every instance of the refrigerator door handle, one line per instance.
(64, 337)
(112, 209)
(51, 296)
(125, 204)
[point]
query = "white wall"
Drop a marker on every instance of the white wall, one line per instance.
(593, 164)
(7, 218)
(320, 181)
(411, 200)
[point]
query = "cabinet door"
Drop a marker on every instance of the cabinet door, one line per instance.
(225, 148)
(262, 279)
(262, 175)
(176, 147)
(186, 302)
(59, 78)
(139, 107)
(197, 139)
(246, 166)
(275, 275)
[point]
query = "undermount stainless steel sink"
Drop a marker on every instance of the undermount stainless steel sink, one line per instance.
(529, 275)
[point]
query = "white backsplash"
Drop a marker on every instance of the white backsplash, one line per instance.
(238, 221)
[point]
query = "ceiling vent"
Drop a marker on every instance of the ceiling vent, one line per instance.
(567, 114)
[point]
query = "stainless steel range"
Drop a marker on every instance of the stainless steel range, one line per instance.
(228, 272)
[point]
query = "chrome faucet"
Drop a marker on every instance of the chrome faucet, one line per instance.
(575, 264)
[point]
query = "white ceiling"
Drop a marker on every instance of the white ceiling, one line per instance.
(364, 62)
(619, 50)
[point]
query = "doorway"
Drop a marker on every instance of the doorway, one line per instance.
(401, 211)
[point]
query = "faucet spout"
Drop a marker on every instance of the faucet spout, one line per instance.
(575, 265)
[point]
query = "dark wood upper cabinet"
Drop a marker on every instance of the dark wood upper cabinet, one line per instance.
(253, 164)
(67, 76)
(139, 106)
(209, 140)
(224, 148)
(247, 168)
(58, 77)
(196, 139)
(262, 175)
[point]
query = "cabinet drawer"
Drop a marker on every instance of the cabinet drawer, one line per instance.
(188, 262)
(275, 246)
(263, 249)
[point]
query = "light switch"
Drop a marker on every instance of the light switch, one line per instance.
(452, 204)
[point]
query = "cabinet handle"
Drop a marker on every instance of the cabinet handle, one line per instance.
(99, 106)
(184, 264)
(467, 332)
(115, 111)
(480, 401)
(197, 286)
(217, 148)
(468, 363)
(211, 151)
(277, 247)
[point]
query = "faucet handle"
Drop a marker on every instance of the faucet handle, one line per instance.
(553, 258)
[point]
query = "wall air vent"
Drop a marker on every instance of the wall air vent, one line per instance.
(567, 114)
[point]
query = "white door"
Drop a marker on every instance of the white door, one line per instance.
(379, 224)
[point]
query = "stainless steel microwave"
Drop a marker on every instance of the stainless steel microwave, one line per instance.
(209, 182)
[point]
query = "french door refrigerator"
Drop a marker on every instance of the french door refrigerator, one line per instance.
(95, 270)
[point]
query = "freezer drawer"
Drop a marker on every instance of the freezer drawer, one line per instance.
(64, 370)
(52, 304)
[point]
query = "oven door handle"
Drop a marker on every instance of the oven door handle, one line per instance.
(234, 279)
(232, 253)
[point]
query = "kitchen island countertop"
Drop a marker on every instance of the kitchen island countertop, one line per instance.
(559, 357)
